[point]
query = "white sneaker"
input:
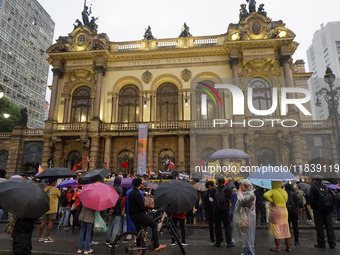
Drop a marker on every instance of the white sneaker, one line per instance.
(184, 244)
(88, 252)
(172, 244)
(94, 243)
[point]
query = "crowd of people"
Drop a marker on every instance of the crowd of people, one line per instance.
(238, 206)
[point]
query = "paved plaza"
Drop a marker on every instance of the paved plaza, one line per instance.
(197, 238)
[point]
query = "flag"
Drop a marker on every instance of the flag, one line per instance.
(88, 159)
(76, 166)
(203, 165)
(40, 169)
(125, 165)
(148, 171)
(171, 165)
(108, 162)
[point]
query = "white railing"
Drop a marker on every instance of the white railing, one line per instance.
(119, 126)
(315, 124)
(34, 132)
(129, 46)
(168, 43)
(205, 40)
(71, 126)
(5, 135)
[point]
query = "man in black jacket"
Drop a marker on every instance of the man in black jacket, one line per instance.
(322, 213)
(260, 205)
(293, 213)
(138, 216)
(221, 199)
(209, 209)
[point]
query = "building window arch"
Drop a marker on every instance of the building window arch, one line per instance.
(266, 157)
(125, 162)
(3, 163)
(262, 95)
(167, 102)
(212, 107)
(128, 104)
(74, 157)
(164, 158)
(205, 155)
(81, 105)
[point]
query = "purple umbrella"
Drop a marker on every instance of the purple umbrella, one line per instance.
(126, 183)
(67, 183)
(332, 186)
(229, 154)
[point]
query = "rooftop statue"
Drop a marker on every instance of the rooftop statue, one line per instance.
(86, 14)
(23, 118)
(243, 12)
(148, 34)
(77, 24)
(261, 10)
(93, 25)
(252, 6)
(185, 31)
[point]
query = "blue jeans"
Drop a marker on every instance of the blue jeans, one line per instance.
(114, 227)
(65, 216)
(85, 234)
(249, 250)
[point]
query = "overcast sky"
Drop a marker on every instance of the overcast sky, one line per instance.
(126, 20)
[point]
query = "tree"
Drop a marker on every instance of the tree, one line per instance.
(6, 107)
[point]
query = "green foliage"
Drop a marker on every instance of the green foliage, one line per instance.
(7, 125)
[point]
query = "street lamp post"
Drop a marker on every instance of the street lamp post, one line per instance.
(332, 96)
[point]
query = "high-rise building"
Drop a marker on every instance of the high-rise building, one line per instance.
(324, 52)
(26, 31)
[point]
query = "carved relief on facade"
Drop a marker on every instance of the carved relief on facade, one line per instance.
(147, 76)
(127, 80)
(208, 76)
(186, 74)
(166, 78)
(79, 76)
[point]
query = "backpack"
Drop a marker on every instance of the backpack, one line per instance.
(326, 199)
(220, 200)
(337, 200)
(291, 207)
(63, 199)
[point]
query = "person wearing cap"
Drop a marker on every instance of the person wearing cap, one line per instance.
(322, 214)
(137, 213)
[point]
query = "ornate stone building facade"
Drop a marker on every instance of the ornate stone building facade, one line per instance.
(101, 90)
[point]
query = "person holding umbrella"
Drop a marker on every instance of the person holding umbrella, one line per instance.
(86, 218)
(138, 216)
(50, 216)
(278, 216)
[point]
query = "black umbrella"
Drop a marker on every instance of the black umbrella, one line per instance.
(151, 185)
(56, 172)
(176, 196)
(93, 176)
(24, 198)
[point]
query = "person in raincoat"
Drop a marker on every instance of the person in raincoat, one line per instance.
(278, 216)
(244, 222)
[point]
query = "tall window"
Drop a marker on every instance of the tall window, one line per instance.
(262, 98)
(125, 162)
(73, 158)
(212, 107)
(265, 157)
(128, 110)
(167, 102)
(163, 159)
(81, 105)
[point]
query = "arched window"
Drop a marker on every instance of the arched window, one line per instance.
(212, 107)
(3, 163)
(125, 162)
(128, 108)
(265, 157)
(81, 105)
(205, 155)
(163, 158)
(167, 102)
(262, 97)
(73, 158)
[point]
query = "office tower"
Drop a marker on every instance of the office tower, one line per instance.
(26, 31)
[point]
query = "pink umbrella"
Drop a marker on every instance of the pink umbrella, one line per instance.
(16, 176)
(98, 196)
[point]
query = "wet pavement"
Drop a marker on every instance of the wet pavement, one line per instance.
(197, 238)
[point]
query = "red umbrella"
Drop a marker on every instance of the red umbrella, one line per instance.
(98, 196)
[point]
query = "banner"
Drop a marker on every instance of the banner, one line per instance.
(108, 162)
(142, 148)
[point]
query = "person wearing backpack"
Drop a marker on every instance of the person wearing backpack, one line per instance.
(337, 205)
(65, 203)
(220, 196)
(293, 213)
(322, 201)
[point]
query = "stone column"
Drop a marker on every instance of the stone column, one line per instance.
(225, 141)
(66, 108)
(180, 106)
(58, 156)
(96, 107)
(141, 107)
(57, 73)
(193, 106)
(239, 142)
(234, 68)
(94, 152)
(193, 154)
(150, 153)
(181, 153)
(285, 61)
(107, 151)
(114, 109)
(153, 107)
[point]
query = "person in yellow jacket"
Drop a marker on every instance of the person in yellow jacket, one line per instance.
(278, 216)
